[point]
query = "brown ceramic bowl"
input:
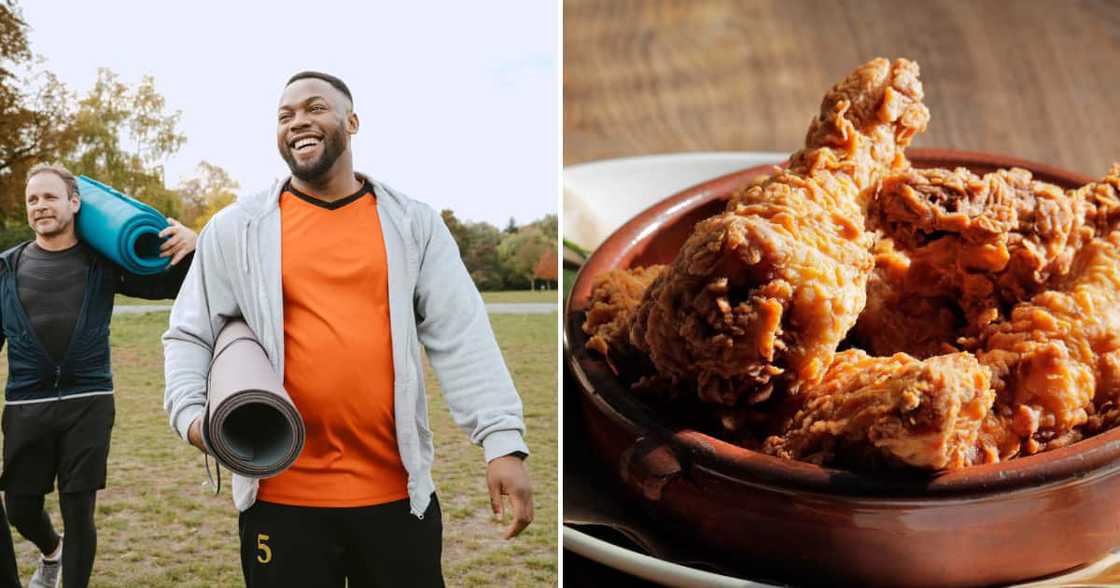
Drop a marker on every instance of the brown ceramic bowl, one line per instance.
(990, 524)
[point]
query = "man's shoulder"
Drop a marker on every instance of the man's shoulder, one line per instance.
(9, 256)
(419, 213)
(247, 206)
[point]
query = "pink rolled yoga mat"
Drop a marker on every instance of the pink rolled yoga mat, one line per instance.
(252, 426)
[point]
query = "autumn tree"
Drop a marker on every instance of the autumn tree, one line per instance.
(123, 135)
(33, 113)
(481, 258)
(519, 253)
(455, 227)
(210, 190)
(478, 246)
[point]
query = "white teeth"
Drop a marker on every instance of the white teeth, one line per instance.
(306, 143)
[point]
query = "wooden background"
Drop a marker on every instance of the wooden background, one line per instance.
(1035, 79)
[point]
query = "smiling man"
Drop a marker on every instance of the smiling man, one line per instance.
(56, 301)
(343, 280)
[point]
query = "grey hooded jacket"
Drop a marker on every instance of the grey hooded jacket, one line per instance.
(432, 301)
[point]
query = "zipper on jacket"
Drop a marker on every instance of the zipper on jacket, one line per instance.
(58, 381)
(245, 240)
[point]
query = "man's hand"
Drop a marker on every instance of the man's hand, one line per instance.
(507, 476)
(194, 434)
(180, 241)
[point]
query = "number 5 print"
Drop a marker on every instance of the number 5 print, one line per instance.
(266, 551)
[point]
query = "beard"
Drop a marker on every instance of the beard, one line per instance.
(60, 226)
(334, 143)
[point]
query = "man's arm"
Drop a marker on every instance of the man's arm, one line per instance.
(204, 305)
(455, 330)
(179, 246)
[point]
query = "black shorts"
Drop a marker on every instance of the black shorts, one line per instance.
(66, 438)
(382, 545)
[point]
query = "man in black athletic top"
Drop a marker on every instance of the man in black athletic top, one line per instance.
(56, 301)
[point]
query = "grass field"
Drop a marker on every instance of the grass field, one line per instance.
(509, 296)
(160, 525)
(521, 296)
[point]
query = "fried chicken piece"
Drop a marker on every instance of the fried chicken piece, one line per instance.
(898, 321)
(1055, 360)
(1102, 202)
(614, 297)
(924, 413)
(761, 295)
(992, 241)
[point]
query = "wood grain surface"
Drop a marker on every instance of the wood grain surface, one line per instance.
(1036, 79)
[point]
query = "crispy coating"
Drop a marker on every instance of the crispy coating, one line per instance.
(990, 304)
(989, 242)
(760, 295)
(1054, 360)
(1102, 202)
(614, 297)
(924, 413)
(899, 321)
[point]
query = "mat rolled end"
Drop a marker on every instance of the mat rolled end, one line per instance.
(121, 228)
(251, 427)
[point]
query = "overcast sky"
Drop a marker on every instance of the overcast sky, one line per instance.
(459, 101)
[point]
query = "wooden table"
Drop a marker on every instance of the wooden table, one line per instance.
(1036, 79)
(1039, 80)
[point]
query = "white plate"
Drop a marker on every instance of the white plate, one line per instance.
(600, 196)
(670, 574)
(646, 567)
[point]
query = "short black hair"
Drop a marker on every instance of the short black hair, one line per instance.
(326, 77)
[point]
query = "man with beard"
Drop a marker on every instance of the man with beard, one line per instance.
(342, 279)
(56, 301)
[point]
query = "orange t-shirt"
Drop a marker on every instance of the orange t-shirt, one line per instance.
(338, 357)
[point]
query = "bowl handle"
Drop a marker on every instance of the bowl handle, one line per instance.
(649, 465)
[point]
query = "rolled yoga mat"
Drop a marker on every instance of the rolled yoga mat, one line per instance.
(251, 426)
(121, 228)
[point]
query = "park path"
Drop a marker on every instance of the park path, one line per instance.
(492, 308)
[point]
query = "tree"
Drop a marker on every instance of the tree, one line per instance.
(456, 228)
(481, 256)
(202, 196)
(520, 252)
(478, 246)
(511, 227)
(123, 136)
(33, 113)
(545, 270)
(117, 134)
(550, 226)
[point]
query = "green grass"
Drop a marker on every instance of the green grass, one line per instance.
(506, 296)
(521, 296)
(128, 301)
(161, 526)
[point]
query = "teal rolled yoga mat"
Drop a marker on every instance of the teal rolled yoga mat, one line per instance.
(121, 228)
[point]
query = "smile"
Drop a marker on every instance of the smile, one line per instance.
(305, 143)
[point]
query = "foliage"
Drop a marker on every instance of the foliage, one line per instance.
(521, 251)
(545, 268)
(117, 134)
(211, 190)
(14, 232)
(32, 113)
(123, 136)
(501, 260)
